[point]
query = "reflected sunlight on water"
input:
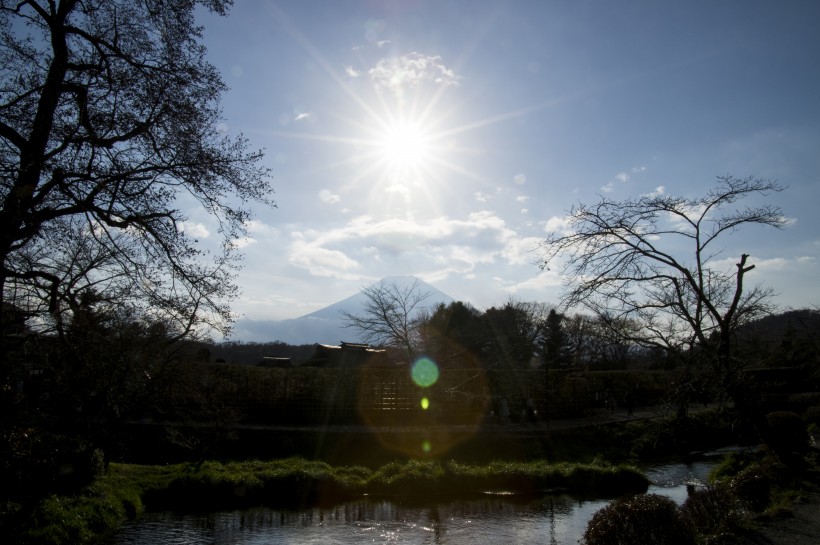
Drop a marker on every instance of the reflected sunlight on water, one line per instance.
(553, 520)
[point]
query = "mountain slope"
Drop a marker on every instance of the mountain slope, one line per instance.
(327, 325)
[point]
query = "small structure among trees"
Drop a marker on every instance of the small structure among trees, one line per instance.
(348, 355)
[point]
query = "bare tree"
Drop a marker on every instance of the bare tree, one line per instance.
(392, 315)
(654, 260)
(109, 119)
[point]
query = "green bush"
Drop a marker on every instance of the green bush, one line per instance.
(711, 510)
(645, 519)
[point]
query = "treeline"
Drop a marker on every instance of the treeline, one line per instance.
(252, 353)
(528, 335)
(69, 398)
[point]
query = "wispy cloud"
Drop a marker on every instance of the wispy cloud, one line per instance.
(321, 261)
(520, 179)
(622, 177)
(660, 190)
(257, 227)
(398, 74)
(558, 224)
(327, 196)
(454, 244)
(196, 230)
(243, 242)
(537, 284)
(301, 116)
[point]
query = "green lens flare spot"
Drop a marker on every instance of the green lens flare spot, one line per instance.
(425, 372)
(426, 446)
(425, 403)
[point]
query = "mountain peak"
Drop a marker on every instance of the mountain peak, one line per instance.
(355, 303)
(327, 325)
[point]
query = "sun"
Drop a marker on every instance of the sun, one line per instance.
(405, 146)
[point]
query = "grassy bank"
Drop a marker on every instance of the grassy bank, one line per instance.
(126, 490)
(298, 483)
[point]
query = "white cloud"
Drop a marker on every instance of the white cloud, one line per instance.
(481, 197)
(622, 177)
(520, 179)
(540, 283)
(608, 188)
(522, 198)
(329, 197)
(382, 43)
(322, 261)
(772, 264)
(352, 72)
(257, 227)
(196, 230)
(301, 116)
(641, 168)
(521, 251)
(660, 190)
(558, 224)
(398, 74)
(524, 211)
(399, 189)
(452, 245)
(243, 242)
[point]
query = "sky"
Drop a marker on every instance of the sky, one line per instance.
(447, 138)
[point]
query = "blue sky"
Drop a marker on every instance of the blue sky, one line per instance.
(445, 139)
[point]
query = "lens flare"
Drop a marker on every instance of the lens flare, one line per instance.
(425, 372)
(426, 446)
(425, 403)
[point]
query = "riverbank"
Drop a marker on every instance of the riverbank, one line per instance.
(125, 491)
(649, 433)
(799, 526)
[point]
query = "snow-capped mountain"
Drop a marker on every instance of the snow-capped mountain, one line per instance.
(327, 325)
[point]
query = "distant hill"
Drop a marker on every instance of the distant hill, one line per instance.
(327, 325)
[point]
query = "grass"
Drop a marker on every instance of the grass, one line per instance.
(126, 490)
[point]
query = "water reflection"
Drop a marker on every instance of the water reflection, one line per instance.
(557, 520)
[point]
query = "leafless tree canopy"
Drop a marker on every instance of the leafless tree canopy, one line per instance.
(655, 261)
(391, 316)
(109, 122)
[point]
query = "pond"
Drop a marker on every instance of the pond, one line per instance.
(501, 519)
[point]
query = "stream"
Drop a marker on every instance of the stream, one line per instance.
(499, 519)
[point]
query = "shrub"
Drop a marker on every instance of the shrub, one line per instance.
(812, 415)
(789, 431)
(645, 519)
(711, 510)
(752, 488)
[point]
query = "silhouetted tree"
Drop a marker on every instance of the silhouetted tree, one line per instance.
(108, 117)
(555, 341)
(652, 261)
(511, 333)
(624, 260)
(392, 315)
(450, 331)
(109, 124)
